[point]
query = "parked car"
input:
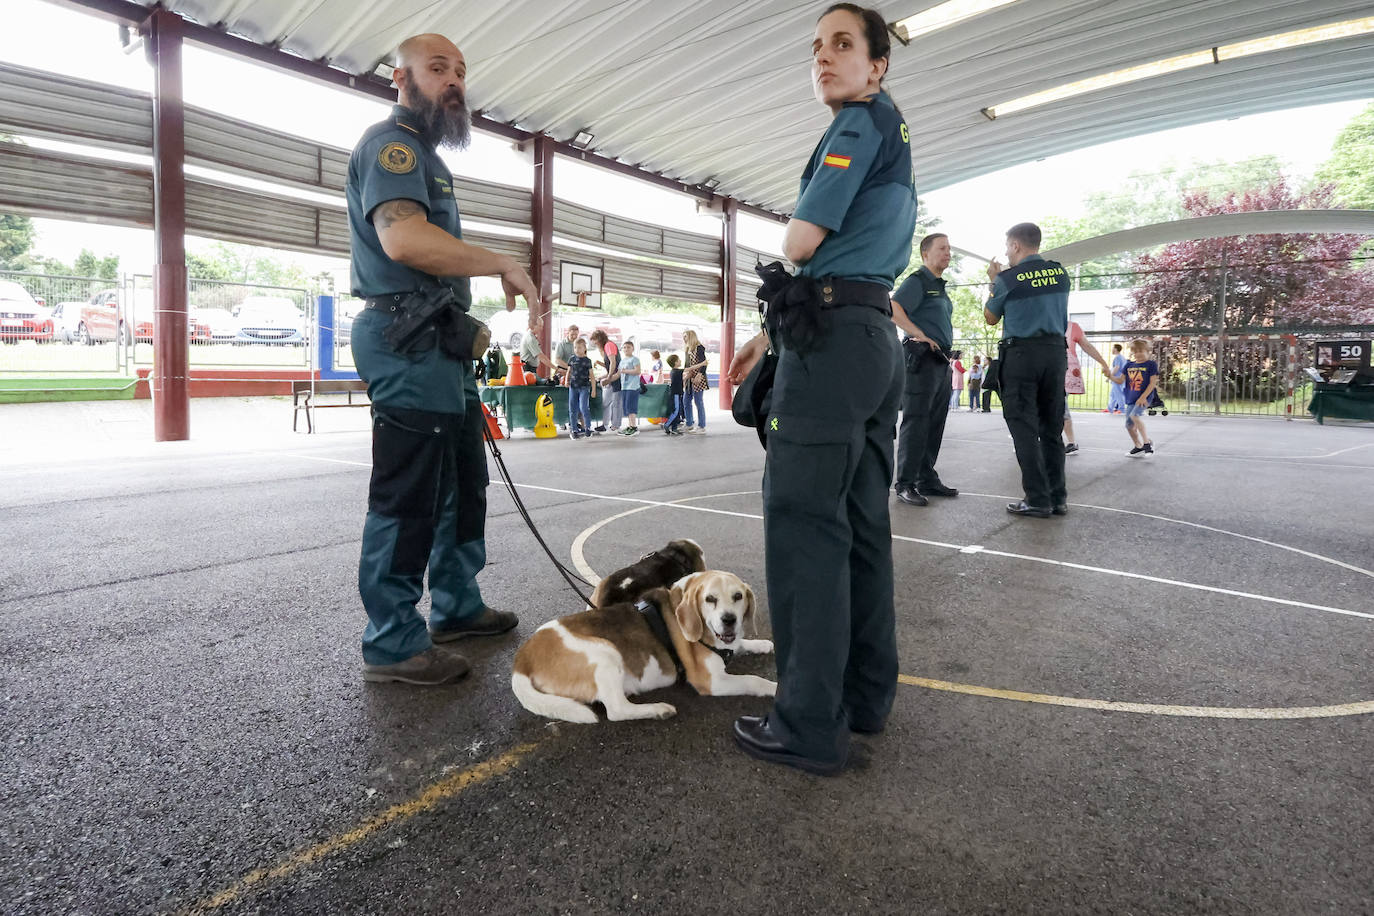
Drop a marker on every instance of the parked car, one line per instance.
(103, 319)
(66, 316)
(21, 318)
(197, 330)
(270, 320)
(508, 328)
(221, 326)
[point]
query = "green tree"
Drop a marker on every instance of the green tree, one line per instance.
(1351, 166)
(89, 265)
(1143, 199)
(16, 238)
(205, 268)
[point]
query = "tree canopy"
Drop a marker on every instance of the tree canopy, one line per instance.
(1146, 198)
(1270, 280)
(1351, 166)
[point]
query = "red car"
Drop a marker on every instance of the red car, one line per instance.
(21, 318)
(104, 318)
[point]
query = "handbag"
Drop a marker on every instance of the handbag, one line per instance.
(754, 397)
(643, 388)
(699, 381)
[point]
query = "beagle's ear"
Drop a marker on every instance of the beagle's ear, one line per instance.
(688, 610)
(751, 626)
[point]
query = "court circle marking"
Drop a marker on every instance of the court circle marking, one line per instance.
(1154, 709)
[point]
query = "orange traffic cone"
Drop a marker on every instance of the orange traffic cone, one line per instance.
(516, 375)
(492, 426)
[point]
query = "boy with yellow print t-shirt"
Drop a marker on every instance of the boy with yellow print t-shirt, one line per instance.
(1139, 378)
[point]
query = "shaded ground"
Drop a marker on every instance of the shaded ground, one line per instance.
(180, 701)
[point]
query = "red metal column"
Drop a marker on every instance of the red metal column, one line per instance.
(541, 221)
(171, 350)
(728, 283)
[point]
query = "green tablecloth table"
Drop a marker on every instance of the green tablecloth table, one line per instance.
(515, 405)
(1343, 402)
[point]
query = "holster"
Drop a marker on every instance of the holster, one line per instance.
(460, 336)
(793, 314)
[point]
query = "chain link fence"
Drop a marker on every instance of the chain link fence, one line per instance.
(104, 326)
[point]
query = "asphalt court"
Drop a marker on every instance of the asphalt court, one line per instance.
(1160, 703)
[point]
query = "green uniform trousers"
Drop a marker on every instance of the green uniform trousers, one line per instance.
(427, 499)
(827, 534)
(1032, 393)
(925, 408)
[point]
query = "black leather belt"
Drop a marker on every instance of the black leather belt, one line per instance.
(837, 293)
(1042, 340)
(387, 302)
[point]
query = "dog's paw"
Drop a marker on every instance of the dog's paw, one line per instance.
(756, 646)
(768, 688)
(661, 710)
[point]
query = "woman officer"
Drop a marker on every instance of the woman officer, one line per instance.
(827, 536)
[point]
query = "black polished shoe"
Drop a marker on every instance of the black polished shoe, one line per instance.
(1032, 511)
(936, 489)
(1060, 509)
(911, 497)
(756, 739)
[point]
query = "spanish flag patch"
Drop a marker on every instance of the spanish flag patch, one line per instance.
(839, 162)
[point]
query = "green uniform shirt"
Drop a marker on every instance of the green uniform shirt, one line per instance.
(859, 185)
(394, 161)
(1032, 298)
(922, 296)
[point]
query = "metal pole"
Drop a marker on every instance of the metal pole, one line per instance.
(1221, 334)
(541, 222)
(171, 349)
(728, 284)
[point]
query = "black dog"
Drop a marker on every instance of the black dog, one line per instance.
(659, 569)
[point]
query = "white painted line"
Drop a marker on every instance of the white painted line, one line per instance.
(644, 504)
(1153, 709)
(1158, 709)
(1179, 521)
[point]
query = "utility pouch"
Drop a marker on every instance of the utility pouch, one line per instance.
(793, 315)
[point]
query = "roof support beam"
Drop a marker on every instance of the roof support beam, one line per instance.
(729, 281)
(126, 11)
(171, 348)
(541, 252)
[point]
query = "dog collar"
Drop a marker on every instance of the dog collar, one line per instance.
(725, 654)
(653, 616)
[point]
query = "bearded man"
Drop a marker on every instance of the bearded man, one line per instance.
(427, 500)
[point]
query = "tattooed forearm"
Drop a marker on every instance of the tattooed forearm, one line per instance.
(394, 211)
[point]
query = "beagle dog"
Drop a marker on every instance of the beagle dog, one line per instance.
(607, 654)
(659, 569)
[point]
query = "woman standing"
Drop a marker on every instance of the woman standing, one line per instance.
(694, 375)
(827, 536)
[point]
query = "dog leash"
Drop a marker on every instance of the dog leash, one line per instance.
(568, 575)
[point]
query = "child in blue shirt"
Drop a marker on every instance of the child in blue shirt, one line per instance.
(1138, 378)
(675, 388)
(628, 373)
(581, 388)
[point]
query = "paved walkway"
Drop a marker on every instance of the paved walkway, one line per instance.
(1159, 704)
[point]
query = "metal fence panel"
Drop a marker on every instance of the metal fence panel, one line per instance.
(1242, 375)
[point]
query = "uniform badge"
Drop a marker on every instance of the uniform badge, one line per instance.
(836, 162)
(397, 158)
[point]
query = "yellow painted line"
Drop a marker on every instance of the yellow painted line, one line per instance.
(443, 789)
(1153, 709)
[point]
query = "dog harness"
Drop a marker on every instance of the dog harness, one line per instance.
(654, 618)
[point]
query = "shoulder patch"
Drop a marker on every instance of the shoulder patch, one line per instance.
(397, 158)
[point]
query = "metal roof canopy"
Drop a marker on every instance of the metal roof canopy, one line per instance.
(684, 93)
